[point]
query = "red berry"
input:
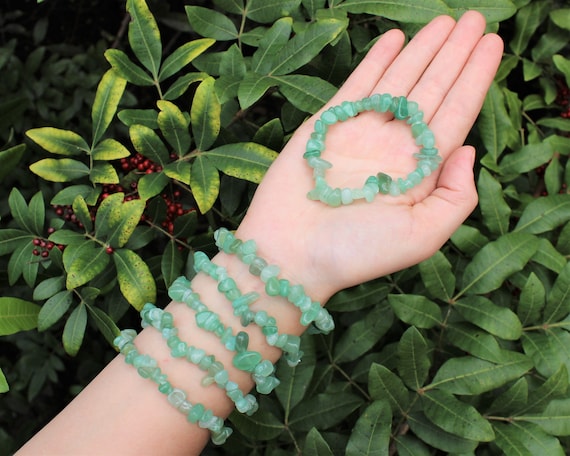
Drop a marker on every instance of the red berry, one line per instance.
(109, 250)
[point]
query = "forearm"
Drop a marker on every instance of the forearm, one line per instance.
(122, 413)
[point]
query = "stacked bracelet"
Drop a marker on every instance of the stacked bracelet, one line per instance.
(402, 109)
(147, 367)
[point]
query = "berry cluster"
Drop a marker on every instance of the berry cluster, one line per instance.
(43, 246)
(563, 99)
(139, 163)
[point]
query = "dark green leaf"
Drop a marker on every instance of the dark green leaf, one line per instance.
(414, 360)
(149, 144)
(66, 196)
(383, 384)
(558, 301)
(408, 445)
(323, 411)
(544, 214)
(174, 125)
(204, 182)
(126, 69)
(4, 387)
(561, 17)
(527, 21)
(104, 323)
(508, 439)
(23, 263)
(438, 277)
(295, 87)
(511, 400)
(48, 287)
(11, 239)
(270, 45)
(549, 257)
(152, 184)
(211, 24)
(533, 439)
(315, 445)
(496, 212)
(252, 88)
(549, 350)
(526, 158)
(493, 10)
(9, 160)
(171, 263)
(563, 65)
(182, 56)
(532, 300)
(146, 117)
(371, 433)
(135, 278)
(248, 161)
(54, 308)
(416, 310)
(555, 420)
(261, 426)
(359, 297)
(74, 330)
(474, 341)
(468, 239)
(180, 86)
(266, 11)
(494, 123)
(144, 36)
(17, 315)
(419, 11)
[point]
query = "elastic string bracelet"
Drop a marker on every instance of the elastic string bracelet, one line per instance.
(289, 344)
(217, 374)
(261, 370)
(147, 368)
(311, 311)
(428, 159)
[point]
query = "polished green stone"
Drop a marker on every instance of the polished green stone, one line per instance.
(401, 108)
(196, 413)
(226, 285)
(284, 287)
(242, 341)
(208, 320)
(413, 108)
(429, 151)
(179, 351)
(340, 113)
(264, 368)
(320, 127)
(418, 128)
(333, 198)
(222, 377)
(314, 144)
(257, 266)
(415, 177)
(346, 196)
(246, 360)
(384, 181)
(426, 139)
(415, 118)
(272, 287)
(394, 188)
(329, 117)
(404, 184)
(165, 388)
(175, 397)
(206, 362)
(266, 385)
(349, 108)
(318, 163)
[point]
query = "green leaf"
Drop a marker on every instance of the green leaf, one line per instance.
(549, 257)
(179, 170)
(126, 69)
(307, 93)
(469, 239)
(171, 263)
(67, 195)
(103, 173)
(261, 426)
(266, 11)
(174, 126)
(205, 115)
(561, 17)
(474, 341)
(323, 410)
(57, 141)
(66, 237)
(59, 170)
(10, 159)
(135, 279)
(555, 387)
(438, 277)
(315, 445)
(563, 65)
(151, 185)
(23, 263)
(408, 445)
(414, 361)
(48, 287)
(270, 45)
(144, 36)
(555, 420)
(493, 10)
(104, 323)
(248, 161)
(149, 144)
(305, 46)
(359, 297)
(109, 93)
(17, 315)
(414, 11)
(496, 212)
(416, 310)
(180, 86)
(233, 63)
(109, 149)
(558, 301)
(526, 158)
(146, 117)
(211, 24)
(74, 330)
(362, 335)
(553, 175)
(544, 214)
(83, 262)
(473, 376)
(371, 433)
(82, 213)
(508, 439)
(456, 417)
(252, 88)
(54, 308)
(182, 56)
(435, 436)
(549, 350)
(528, 438)
(495, 262)
(383, 384)
(4, 387)
(497, 320)
(22, 214)
(494, 123)
(511, 400)
(531, 301)
(204, 182)
(527, 21)
(123, 226)
(11, 239)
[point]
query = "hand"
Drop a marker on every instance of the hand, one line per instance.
(447, 69)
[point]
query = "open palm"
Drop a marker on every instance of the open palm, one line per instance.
(447, 69)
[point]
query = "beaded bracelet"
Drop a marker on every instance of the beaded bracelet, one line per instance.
(147, 367)
(428, 158)
(163, 321)
(311, 311)
(249, 361)
(289, 344)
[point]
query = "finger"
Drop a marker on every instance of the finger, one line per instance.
(366, 75)
(447, 65)
(407, 68)
(453, 200)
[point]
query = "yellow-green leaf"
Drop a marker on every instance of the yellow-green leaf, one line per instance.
(135, 279)
(58, 141)
(144, 36)
(205, 114)
(109, 93)
(109, 149)
(83, 262)
(59, 170)
(248, 161)
(74, 330)
(205, 183)
(17, 315)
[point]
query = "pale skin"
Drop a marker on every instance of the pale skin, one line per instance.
(447, 69)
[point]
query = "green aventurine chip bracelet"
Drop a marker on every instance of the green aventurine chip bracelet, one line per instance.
(402, 109)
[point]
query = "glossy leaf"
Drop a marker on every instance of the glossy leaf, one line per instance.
(414, 361)
(555, 420)
(495, 262)
(548, 350)
(472, 376)
(135, 278)
(109, 149)
(152, 184)
(54, 308)
(58, 141)
(174, 125)
(248, 161)
(474, 341)
(83, 262)
(181, 85)
(438, 277)
(144, 36)
(511, 400)
(416, 310)
(544, 214)
(527, 21)
(59, 170)
(205, 115)
(252, 88)
(323, 410)
(211, 24)
(456, 417)
(179, 170)
(371, 433)
(265, 11)
(526, 158)
(148, 143)
(104, 324)
(103, 173)
(270, 45)
(17, 315)
(383, 384)
(534, 441)
(421, 11)
(495, 210)
(532, 300)
(558, 301)
(362, 335)
(127, 69)
(48, 287)
(497, 320)
(109, 93)
(74, 330)
(182, 56)
(307, 93)
(204, 182)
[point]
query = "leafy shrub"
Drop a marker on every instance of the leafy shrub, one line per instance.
(464, 354)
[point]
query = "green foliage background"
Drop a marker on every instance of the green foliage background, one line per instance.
(123, 145)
